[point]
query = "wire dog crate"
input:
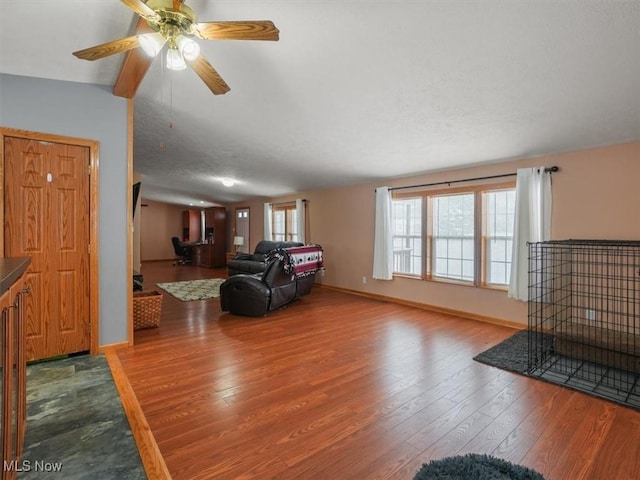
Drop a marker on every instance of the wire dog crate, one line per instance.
(584, 316)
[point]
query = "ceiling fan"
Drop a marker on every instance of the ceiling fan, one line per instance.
(172, 23)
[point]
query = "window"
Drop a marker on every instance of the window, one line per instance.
(407, 236)
(463, 236)
(500, 211)
(285, 223)
(453, 237)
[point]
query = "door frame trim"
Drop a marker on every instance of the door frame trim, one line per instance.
(94, 161)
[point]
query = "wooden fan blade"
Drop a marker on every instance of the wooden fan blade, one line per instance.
(208, 75)
(134, 67)
(109, 48)
(141, 9)
(259, 30)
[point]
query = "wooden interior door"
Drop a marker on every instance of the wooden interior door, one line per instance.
(47, 218)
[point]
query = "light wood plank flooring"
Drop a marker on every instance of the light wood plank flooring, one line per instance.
(342, 387)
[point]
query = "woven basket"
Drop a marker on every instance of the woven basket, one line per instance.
(147, 307)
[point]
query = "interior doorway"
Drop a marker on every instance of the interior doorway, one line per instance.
(242, 228)
(49, 212)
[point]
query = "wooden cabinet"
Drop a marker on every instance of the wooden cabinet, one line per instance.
(215, 220)
(13, 364)
(191, 226)
(203, 255)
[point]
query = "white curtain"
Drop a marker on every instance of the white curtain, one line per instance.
(268, 222)
(383, 239)
(532, 224)
(301, 219)
(203, 226)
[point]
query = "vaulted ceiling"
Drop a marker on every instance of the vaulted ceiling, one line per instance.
(354, 91)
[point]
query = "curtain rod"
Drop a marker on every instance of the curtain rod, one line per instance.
(289, 202)
(548, 170)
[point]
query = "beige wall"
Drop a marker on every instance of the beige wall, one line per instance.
(158, 223)
(595, 195)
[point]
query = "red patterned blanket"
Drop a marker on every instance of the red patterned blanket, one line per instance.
(300, 261)
(306, 260)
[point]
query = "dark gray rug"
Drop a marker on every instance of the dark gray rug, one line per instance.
(76, 426)
(610, 384)
(475, 467)
(510, 354)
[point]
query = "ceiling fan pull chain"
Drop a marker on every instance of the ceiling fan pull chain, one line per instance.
(162, 79)
(170, 100)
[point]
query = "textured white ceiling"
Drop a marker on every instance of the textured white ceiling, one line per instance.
(354, 91)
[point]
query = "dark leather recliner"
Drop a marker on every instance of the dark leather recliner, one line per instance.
(250, 263)
(255, 295)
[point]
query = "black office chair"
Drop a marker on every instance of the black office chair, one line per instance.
(183, 252)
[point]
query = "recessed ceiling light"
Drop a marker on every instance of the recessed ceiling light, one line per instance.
(227, 182)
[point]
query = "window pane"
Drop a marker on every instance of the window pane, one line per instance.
(467, 248)
(497, 250)
(455, 248)
(440, 248)
(467, 269)
(440, 267)
(278, 225)
(406, 223)
(453, 234)
(285, 223)
(454, 268)
(498, 270)
(500, 220)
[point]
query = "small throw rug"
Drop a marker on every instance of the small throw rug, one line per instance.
(194, 289)
(76, 426)
(510, 354)
(475, 467)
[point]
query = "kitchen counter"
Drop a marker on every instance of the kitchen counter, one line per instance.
(10, 271)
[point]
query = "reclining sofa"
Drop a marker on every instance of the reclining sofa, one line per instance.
(250, 263)
(288, 276)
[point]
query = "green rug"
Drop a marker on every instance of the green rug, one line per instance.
(194, 289)
(76, 426)
(475, 467)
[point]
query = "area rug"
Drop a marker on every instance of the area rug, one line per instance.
(475, 467)
(76, 426)
(510, 354)
(194, 289)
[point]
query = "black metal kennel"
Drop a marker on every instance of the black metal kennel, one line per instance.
(584, 316)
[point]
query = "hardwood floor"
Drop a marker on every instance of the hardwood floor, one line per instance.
(343, 387)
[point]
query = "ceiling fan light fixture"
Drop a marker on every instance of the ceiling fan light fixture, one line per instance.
(152, 43)
(188, 47)
(169, 20)
(175, 60)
